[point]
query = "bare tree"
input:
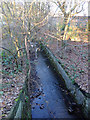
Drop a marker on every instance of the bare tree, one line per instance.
(69, 9)
(22, 22)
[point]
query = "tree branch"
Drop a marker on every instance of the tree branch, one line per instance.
(62, 7)
(81, 9)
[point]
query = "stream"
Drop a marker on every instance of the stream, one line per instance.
(51, 103)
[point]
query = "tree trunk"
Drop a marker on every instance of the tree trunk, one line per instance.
(29, 82)
(27, 51)
(65, 28)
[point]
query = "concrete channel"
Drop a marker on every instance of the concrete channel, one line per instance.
(51, 103)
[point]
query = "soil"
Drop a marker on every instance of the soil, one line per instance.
(11, 87)
(74, 59)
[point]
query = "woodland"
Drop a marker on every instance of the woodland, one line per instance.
(23, 25)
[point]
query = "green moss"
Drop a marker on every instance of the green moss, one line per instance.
(25, 108)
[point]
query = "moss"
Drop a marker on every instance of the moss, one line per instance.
(25, 108)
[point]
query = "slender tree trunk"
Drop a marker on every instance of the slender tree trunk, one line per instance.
(16, 45)
(27, 51)
(65, 26)
(29, 82)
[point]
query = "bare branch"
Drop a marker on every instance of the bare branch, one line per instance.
(62, 7)
(8, 8)
(81, 9)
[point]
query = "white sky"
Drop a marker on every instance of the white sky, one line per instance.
(54, 7)
(85, 12)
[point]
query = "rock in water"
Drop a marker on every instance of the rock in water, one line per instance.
(70, 110)
(42, 106)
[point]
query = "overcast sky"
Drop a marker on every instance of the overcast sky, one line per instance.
(85, 12)
(54, 7)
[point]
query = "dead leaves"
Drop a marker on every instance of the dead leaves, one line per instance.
(74, 59)
(10, 92)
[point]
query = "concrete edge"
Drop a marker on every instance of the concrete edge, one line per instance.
(19, 109)
(82, 98)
